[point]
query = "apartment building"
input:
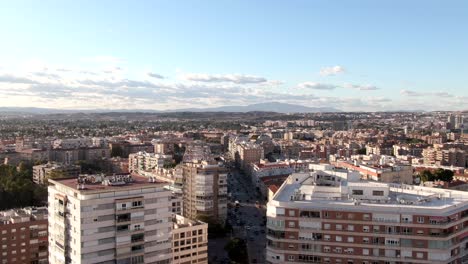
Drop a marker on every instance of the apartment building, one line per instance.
(109, 219)
(23, 236)
(205, 190)
(249, 153)
(43, 171)
(319, 217)
(189, 241)
(143, 161)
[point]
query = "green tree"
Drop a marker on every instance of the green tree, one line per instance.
(237, 250)
(56, 174)
(444, 175)
(426, 175)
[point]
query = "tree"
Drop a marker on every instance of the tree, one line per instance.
(444, 175)
(17, 188)
(426, 175)
(237, 250)
(56, 174)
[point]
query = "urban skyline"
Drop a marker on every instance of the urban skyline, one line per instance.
(159, 55)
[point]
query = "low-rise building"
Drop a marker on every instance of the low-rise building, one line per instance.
(42, 172)
(23, 236)
(189, 241)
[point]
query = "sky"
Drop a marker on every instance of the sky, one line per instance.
(350, 55)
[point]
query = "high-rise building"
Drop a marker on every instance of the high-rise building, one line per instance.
(189, 241)
(459, 121)
(23, 236)
(322, 217)
(109, 219)
(205, 191)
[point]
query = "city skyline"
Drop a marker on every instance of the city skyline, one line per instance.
(162, 55)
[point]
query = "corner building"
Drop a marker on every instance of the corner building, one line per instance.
(123, 219)
(321, 217)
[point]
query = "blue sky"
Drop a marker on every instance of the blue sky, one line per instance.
(352, 55)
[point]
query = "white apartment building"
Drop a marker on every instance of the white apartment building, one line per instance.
(109, 219)
(147, 162)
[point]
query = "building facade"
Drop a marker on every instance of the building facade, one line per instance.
(319, 217)
(109, 219)
(205, 191)
(23, 236)
(189, 241)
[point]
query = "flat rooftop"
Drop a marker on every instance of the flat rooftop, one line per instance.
(400, 197)
(138, 181)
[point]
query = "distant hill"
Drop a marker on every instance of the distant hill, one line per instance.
(262, 107)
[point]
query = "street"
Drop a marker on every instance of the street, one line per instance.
(247, 220)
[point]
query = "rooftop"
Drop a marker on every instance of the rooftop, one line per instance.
(304, 192)
(181, 222)
(22, 215)
(101, 182)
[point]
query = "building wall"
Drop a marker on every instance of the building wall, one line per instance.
(98, 228)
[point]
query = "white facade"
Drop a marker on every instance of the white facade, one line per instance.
(126, 220)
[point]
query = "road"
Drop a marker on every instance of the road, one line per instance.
(248, 221)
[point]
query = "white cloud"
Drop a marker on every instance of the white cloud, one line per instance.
(155, 75)
(233, 78)
(317, 86)
(442, 94)
(334, 70)
(361, 87)
(410, 93)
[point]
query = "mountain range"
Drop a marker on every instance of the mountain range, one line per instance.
(261, 107)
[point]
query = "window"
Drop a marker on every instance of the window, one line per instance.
(326, 226)
(326, 237)
(339, 227)
(376, 229)
(291, 258)
(350, 239)
(291, 224)
(326, 249)
(338, 250)
(137, 204)
(292, 213)
(419, 255)
(378, 193)
(326, 215)
(350, 227)
(339, 215)
(358, 192)
(420, 219)
(365, 251)
(366, 217)
(365, 229)
(338, 238)
(350, 216)
(365, 240)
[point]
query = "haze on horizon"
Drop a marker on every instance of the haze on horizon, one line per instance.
(349, 55)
